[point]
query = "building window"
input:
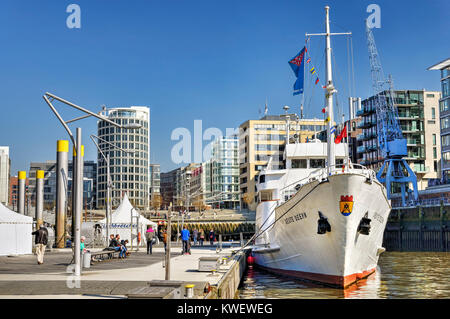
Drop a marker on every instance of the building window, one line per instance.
(433, 113)
(434, 139)
(434, 152)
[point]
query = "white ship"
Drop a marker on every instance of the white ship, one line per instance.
(321, 218)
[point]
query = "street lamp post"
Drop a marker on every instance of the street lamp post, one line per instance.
(78, 168)
(108, 178)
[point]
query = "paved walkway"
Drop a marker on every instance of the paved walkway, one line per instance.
(22, 275)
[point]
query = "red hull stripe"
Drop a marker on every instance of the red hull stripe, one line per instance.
(339, 281)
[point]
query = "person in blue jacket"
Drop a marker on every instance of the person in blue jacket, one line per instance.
(185, 237)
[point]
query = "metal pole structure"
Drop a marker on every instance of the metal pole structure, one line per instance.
(108, 197)
(131, 230)
(330, 89)
(62, 149)
(108, 178)
(169, 235)
(22, 182)
(39, 197)
(78, 200)
(73, 188)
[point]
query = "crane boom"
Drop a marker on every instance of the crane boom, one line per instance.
(390, 138)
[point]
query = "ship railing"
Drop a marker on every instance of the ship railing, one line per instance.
(321, 174)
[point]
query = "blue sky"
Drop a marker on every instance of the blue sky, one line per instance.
(212, 60)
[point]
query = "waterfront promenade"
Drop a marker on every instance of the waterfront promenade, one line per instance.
(21, 277)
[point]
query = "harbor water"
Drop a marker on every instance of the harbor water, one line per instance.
(399, 275)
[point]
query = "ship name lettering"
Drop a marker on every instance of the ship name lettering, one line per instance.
(295, 218)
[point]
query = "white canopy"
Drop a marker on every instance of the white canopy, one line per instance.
(128, 222)
(15, 232)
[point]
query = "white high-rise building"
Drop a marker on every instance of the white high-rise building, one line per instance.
(129, 172)
(4, 174)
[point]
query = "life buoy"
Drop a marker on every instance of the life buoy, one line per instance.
(139, 237)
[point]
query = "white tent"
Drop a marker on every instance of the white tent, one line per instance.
(15, 233)
(127, 222)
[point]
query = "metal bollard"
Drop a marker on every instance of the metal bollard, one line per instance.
(189, 291)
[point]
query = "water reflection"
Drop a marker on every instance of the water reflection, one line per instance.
(399, 275)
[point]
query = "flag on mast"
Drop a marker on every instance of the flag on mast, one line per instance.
(341, 136)
(297, 64)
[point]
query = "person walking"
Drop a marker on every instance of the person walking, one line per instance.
(185, 236)
(202, 237)
(195, 235)
(211, 236)
(41, 240)
(149, 235)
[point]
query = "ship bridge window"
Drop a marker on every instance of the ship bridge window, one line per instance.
(262, 178)
(299, 163)
(266, 196)
(317, 163)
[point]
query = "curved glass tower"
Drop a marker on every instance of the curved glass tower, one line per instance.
(129, 172)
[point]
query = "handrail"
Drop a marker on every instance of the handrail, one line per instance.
(353, 165)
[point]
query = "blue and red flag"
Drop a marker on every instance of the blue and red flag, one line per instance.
(297, 64)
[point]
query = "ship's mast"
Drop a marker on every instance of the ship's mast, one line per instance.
(330, 90)
(329, 95)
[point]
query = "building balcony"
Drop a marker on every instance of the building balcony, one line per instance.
(361, 137)
(421, 169)
(409, 116)
(366, 110)
(409, 129)
(413, 142)
(361, 149)
(366, 124)
(364, 162)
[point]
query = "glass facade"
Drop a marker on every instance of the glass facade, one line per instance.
(129, 171)
(444, 106)
(410, 110)
(225, 173)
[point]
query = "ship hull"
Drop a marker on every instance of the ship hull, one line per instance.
(339, 257)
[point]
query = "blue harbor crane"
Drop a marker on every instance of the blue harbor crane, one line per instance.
(391, 142)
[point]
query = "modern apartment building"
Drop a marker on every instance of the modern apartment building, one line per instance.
(418, 115)
(214, 183)
(224, 173)
(89, 183)
(155, 186)
(168, 187)
(183, 198)
(444, 117)
(198, 191)
(49, 168)
(355, 140)
(130, 173)
(262, 139)
(5, 164)
(14, 191)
